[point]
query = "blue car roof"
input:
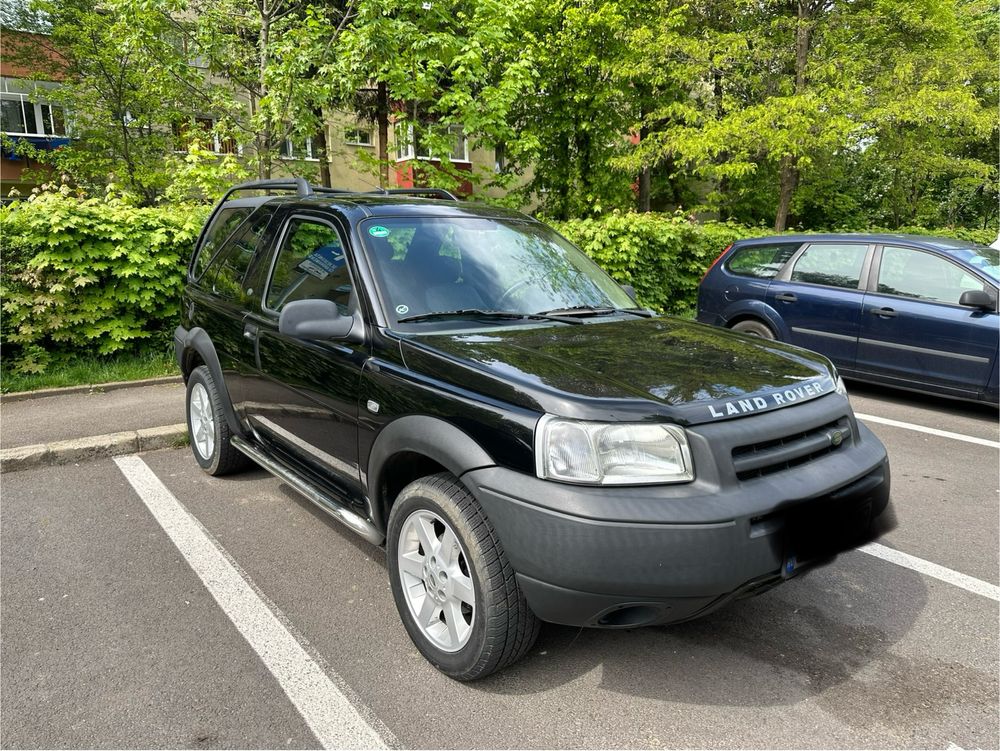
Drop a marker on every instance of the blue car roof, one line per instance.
(925, 241)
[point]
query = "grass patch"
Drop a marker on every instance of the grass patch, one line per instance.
(83, 372)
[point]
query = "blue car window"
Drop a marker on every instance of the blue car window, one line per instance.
(831, 264)
(761, 261)
(913, 273)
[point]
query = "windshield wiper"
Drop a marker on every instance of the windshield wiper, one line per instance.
(479, 313)
(579, 311)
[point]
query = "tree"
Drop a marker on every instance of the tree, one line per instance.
(436, 66)
(117, 94)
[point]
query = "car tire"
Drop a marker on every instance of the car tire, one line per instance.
(459, 600)
(754, 328)
(211, 437)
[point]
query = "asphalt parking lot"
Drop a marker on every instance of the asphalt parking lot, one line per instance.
(122, 628)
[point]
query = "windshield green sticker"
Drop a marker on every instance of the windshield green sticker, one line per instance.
(378, 231)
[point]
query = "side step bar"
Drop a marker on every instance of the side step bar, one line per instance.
(353, 521)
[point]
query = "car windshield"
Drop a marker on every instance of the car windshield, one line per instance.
(986, 259)
(469, 268)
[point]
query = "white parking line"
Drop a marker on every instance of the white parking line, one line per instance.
(931, 431)
(328, 712)
(969, 583)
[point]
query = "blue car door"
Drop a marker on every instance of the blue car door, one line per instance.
(819, 295)
(914, 331)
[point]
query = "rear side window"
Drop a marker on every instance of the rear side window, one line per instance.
(225, 222)
(226, 271)
(761, 261)
(831, 264)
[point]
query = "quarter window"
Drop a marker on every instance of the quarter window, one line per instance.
(311, 265)
(831, 264)
(230, 264)
(225, 222)
(913, 273)
(761, 261)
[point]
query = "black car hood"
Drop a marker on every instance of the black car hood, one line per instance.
(625, 370)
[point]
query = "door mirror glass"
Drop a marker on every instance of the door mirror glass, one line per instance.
(314, 319)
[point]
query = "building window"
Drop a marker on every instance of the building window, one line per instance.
(291, 150)
(409, 146)
(20, 116)
(358, 137)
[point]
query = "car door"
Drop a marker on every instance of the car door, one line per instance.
(216, 298)
(303, 395)
(818, 295)
(914, 330)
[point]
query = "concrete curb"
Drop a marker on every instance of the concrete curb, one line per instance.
(20, 396)
(92, 447)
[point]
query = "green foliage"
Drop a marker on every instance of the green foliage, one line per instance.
(662, 256)
(200, 176)
(89, 277)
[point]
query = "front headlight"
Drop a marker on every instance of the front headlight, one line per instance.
(597, 453)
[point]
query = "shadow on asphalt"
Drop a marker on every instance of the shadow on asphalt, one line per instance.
(808, 636)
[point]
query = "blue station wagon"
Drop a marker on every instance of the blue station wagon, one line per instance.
(908, 311)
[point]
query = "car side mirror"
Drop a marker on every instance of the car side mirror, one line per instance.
(630, 291)
(977, 298)
(314, 319)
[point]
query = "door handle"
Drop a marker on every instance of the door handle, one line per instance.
(884, 312)
(250, 331)
(786, 297)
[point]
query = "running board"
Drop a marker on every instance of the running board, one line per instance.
(353, 521)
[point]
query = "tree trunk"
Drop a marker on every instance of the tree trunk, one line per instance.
(264, 138)
(320, 152)
(788, 180)
(644, 178)
(382, 120)
(789, 170)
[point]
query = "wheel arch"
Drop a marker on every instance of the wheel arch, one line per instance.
(195, 348)
(416, 446)
(756, 310)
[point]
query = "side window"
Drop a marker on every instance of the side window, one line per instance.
(761, 261)
(310, 265)
(226, 271)
(913, 273)
(222, 227)
(831, 264)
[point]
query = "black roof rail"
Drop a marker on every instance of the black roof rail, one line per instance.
(300, 185)
(430, 192)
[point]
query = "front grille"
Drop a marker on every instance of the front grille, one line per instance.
(779, 454)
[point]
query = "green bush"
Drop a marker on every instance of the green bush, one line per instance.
(85, 277)
(665, 256)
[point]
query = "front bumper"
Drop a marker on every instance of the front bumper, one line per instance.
(622, 557)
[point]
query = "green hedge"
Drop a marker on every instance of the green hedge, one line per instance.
(665, 256)
(85, 277)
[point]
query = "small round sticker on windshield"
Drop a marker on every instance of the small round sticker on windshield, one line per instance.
(378, 231)
(402, 310)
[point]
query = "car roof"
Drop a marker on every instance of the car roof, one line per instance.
(924, 241)
(361, 206)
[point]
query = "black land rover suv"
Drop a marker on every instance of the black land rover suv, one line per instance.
(464, 386)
